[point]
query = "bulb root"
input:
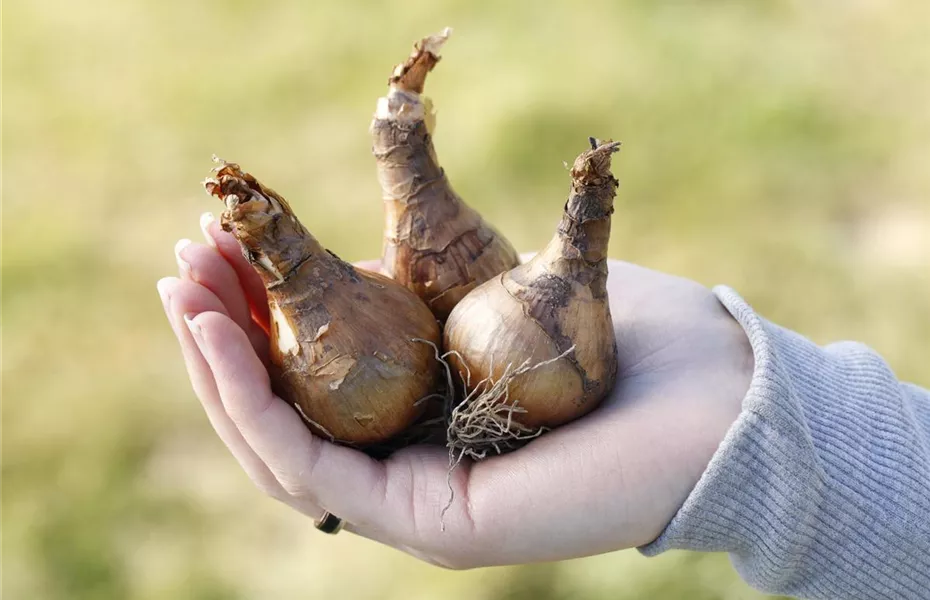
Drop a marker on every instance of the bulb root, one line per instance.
(483, 422)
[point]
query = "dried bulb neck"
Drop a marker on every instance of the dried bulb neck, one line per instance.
(402, 130)
(404, 108)
(407, 163)
(410, 75)
(584, 232)
(404, 102)
(271, 236)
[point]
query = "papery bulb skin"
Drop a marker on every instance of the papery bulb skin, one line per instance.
(555, 305)
(342, 348)
(434, 243)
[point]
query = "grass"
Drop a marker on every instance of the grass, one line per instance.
(778, 147)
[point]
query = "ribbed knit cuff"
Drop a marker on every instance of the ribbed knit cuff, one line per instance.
(821, 488)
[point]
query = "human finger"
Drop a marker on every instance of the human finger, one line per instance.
(229, 248)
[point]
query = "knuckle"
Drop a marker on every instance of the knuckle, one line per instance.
(295, 487)
(268, 488)
(250, 417)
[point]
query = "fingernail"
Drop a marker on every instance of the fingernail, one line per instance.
(163, 293)
(194, 327)
(205, 220)
(182, 264)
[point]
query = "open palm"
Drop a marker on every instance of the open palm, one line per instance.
(610, 480)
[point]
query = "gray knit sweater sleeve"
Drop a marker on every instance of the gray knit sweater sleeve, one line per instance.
(821, 489)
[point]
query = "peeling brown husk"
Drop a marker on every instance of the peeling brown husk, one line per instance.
(535, 346)
(430, 428)
(342, 348)
(434, 243)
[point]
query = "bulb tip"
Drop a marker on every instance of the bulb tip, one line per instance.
(410, 75)
(592, 166)
(224, 173)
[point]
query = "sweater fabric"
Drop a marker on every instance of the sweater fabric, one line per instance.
(821, 488)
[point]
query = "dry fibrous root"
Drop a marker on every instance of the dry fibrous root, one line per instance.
(487, 420)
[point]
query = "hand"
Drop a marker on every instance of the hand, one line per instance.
(610, 480)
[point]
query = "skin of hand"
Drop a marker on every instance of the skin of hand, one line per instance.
(610, 480)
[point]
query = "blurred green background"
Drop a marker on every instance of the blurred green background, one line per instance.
(779, 147)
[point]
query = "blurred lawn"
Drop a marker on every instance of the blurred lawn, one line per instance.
(779, 147)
